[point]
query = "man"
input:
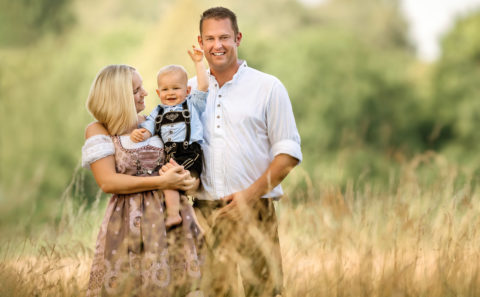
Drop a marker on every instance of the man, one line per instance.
(250, 145)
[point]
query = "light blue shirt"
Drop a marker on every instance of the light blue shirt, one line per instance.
(196, 102)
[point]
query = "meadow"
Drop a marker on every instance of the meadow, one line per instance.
(385, 203)
(418, 238)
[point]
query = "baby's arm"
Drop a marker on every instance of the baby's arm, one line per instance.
(197, 58)
(147, 128)
(139, 135)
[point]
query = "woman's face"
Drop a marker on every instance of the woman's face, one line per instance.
(139, 92)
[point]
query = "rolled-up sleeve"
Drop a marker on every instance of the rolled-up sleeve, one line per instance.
(282, 130)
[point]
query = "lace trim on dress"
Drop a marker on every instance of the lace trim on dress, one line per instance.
(128, 144)
(96, 148)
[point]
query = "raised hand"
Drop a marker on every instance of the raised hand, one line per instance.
(196, 54)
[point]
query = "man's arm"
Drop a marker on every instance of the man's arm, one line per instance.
(278, 169)
(285, 140)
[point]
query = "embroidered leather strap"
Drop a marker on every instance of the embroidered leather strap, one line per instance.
(172, 117)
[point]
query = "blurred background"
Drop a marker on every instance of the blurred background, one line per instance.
(366, 100)
(385, 202)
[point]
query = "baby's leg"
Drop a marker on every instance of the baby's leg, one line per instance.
(172, 201)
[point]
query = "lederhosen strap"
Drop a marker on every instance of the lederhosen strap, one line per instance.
(172, 117)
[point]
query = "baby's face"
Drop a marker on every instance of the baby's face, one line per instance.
(172, 88)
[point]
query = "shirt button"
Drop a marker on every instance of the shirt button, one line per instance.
(216, 85)
(169, 139)
(218, 116)
(219, 96)
(218, 126)
(218, 105)
(171, 132)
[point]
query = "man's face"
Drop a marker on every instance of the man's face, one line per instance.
(219, 43)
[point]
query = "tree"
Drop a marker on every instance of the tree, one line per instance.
(24, 21)
(456, 85)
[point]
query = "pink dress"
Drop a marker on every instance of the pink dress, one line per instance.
(135, 255)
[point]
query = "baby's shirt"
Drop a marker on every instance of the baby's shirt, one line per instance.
(196, 102)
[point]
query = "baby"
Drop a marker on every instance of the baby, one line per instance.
(177, 121)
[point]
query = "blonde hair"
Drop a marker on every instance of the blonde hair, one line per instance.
(172, 69)
(110, 99)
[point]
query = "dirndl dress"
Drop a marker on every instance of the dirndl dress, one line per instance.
(135, 254)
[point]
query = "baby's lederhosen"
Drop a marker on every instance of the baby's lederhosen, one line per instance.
(190, 156)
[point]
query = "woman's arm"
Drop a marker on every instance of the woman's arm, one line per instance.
(112, 182)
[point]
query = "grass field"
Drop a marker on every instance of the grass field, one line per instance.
(417, 237)
(362, 216)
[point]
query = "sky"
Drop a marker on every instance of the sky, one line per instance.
(429, 20)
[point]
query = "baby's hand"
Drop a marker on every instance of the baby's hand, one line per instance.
(169, 165)
(196, 54)
(138, 135)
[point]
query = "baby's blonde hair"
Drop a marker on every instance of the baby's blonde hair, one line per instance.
(111, 101)
(173, 69)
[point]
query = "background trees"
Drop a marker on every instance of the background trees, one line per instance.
(364, 104)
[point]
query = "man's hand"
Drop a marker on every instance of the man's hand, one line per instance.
(139, 135)
(239, 205)
(196, 54)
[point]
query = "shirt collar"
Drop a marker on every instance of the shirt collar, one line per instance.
(241, 69)
(171, 106)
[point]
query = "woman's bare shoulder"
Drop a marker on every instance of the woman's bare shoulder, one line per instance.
(95, 128)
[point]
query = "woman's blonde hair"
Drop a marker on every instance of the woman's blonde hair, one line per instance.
(111, 101)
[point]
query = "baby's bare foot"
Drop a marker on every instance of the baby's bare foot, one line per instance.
(173, 220)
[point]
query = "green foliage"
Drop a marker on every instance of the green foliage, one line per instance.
(44, 86)
(362, 107)
(370, 187)
(456, 84)
(25, 21)
(350, 85)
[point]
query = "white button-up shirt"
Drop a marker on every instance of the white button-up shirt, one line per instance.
(247, 122)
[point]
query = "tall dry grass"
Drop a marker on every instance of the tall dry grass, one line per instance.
(417, 236)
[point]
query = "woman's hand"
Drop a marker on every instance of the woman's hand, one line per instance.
(171, 164)
(177, 177)
(190, 184)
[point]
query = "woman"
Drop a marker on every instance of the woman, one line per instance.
(134, 254)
